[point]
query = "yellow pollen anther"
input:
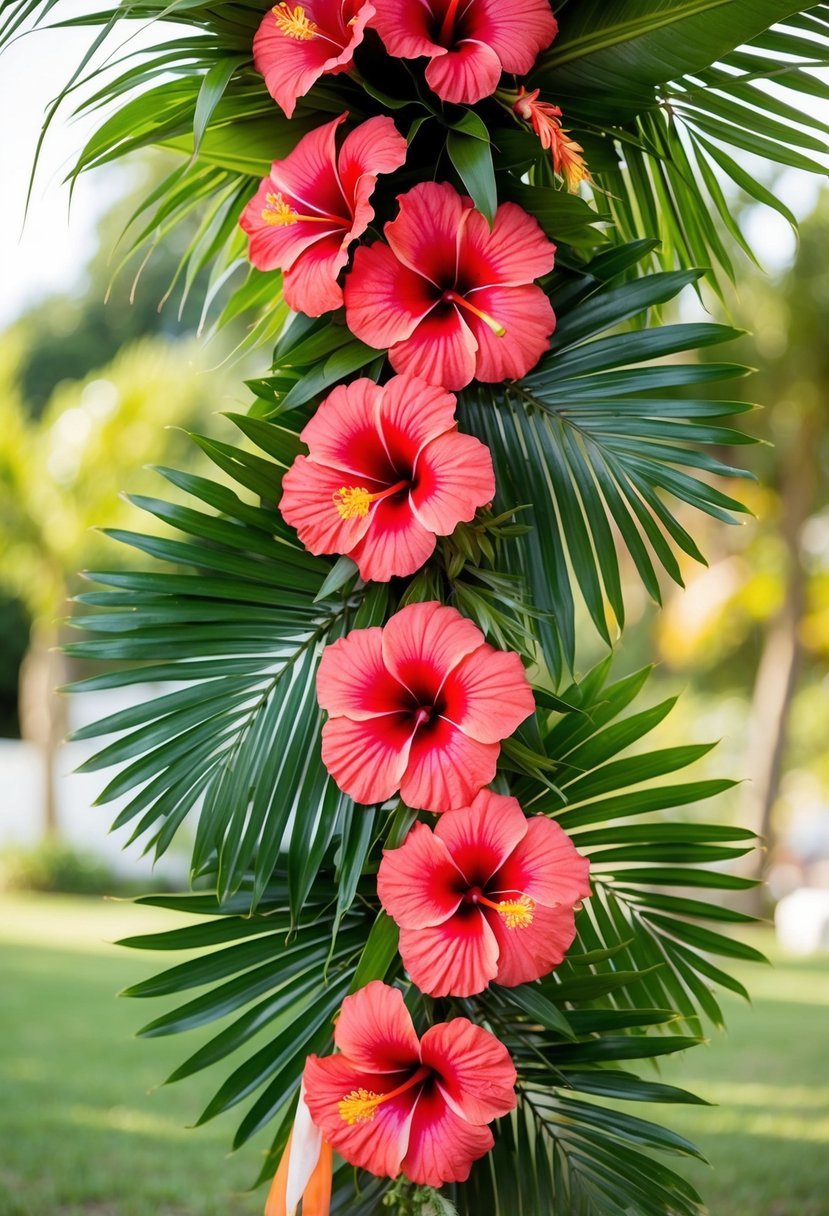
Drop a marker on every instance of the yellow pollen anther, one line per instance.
(352, 501)
(517, 913)
(360, 1106)
(293, 23)
(278, 212)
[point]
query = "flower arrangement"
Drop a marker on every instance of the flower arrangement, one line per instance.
(452, 899)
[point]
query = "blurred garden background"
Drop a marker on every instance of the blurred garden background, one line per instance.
(102, 373)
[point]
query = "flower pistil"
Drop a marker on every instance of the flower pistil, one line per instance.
(452, 297)
(360, 1105)
(517, 913)
(354, 501)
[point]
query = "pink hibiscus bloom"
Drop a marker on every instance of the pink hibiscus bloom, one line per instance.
(451, 299)
(296, 44)
(488, 895)
(419, 705)
(469, 44)
(389, 1103)
(314, 204)
(387, 473)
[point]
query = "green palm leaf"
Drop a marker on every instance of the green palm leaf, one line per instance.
(596, 437)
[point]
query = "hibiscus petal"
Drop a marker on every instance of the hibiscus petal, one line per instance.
(427, 639)
(412, 413)
(375, 1031)
(457, 958)
(517, 30)
(445, 768)
(307, 504)
(396, 543)
(375, 146)
(275, 246)
(367, 759)
(487, 695)
(528, 319)
(442, 1146)
(530, 952)
(453, 477)
(310, 284)
(344, 433)
(426, 234)
(466, 74)
(513, 252)
(377, 1145)
(404, 29)
(481, 837)
(544, 865)
(353, 679)
(384, 301)
(473, 1069)
(309, 173)
(441, 349)
(419, 884)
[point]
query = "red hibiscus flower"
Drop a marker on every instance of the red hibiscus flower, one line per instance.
(313, 204)
(470, 43)
(451, 299)
(420, 705)
(389, 1103)
(489, 895)
(296, 44)
(545, 120)
(386, 474)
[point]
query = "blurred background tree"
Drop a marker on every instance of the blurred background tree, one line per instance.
(753, 626)
(60, 475)
(92, 387)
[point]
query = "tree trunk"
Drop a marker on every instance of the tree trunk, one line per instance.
(43, 720)
(776, 679)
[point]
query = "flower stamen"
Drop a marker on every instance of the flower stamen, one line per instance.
(452, 297)
(517, 913)
(293, 23)
(279, 213)
(354, 501)
(360, 1105)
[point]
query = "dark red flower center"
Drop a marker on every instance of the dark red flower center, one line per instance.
(448, 29)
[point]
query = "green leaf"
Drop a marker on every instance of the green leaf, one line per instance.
(467, 144)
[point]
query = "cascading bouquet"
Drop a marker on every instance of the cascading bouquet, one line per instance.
(366, 625)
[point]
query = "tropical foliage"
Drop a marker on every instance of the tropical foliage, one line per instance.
(594, 450)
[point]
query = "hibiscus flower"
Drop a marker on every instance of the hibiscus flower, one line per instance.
(389, 1103)
(468, 44)
(387, 473)
(314, 204)
(488, 895)
(419, 705)
(296, 44)
(451, 299)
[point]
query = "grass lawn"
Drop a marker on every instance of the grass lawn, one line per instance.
(85, 1127)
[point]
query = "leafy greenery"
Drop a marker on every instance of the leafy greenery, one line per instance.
(595, 451)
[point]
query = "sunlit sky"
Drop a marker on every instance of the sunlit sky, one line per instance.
(47, 252)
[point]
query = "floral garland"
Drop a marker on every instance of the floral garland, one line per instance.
(420, 705)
